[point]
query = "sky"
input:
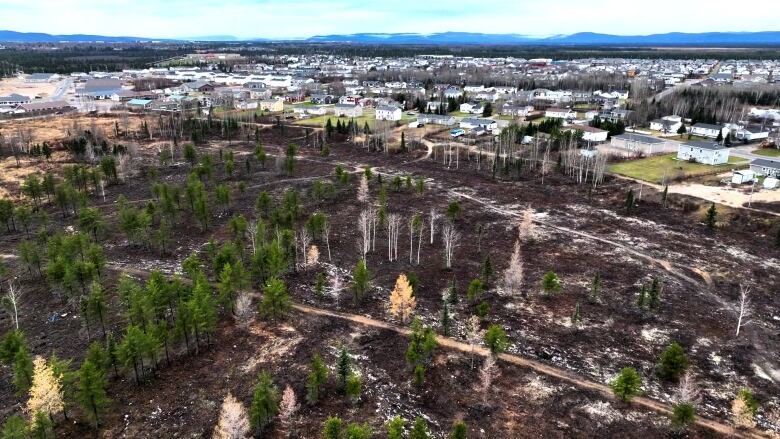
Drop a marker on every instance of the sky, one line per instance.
(304, 18)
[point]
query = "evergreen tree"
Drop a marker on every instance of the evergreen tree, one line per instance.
(654, 295)
(14, 428)
(496, 340)
(711, 217)
(551, 283)
(487, 270)
(91, 392)
(403, 141)
(318, 376)
(642, 301)
(420, 429)
(276, 302)
(332, 427)
(683, 415)
(445, 318)
(459, 430)
(360, 279)
(395, 428)
(42, 426)
(627, 385)
(344, 367)
(665, 196)
(576, 318)
(354, 386)
(630, 203)
(673, 363)
(319, 285)
(422, 343)
(777, 238)
(595, 288)
(475, 290)
(265, 403)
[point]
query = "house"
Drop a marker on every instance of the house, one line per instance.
(41, 77)
(13, 99)
(709, 130)
(743, 177)
(347, 110)
(271, 105)
(320, 99)
(615, 115)
(667, 124)
(560, 113)
(640, 144)
(589, 133)
(471, 108)
(45, 107)
(472, 123)
(436, 119)
(139, 104)
(388, 112)
(751, 133)
(100, 88)
(516, 110)
(766, 167)
(453, 93)
(435, 105)
(247, 105)
(708, 153)
(200, 86)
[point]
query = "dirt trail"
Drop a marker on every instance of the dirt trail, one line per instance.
(536, 366)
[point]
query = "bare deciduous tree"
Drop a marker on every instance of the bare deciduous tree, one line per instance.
(687, 391)
(244, 311)
(744, 308)
(233, 422)
(393, 231)
(326, 236)
(487, 374)
(364, 229)
(513, 276)
(362, 191)
(312, 256)
(473, 335)
(451, 238)
(304, 237)
(433, 217)
(11, 301)
(288, 405)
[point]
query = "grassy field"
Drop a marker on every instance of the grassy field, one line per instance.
(653, 169)
(767, 152)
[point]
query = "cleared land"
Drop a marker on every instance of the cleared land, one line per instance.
(656, 169)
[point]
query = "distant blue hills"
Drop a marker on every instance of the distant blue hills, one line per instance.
(449, 38)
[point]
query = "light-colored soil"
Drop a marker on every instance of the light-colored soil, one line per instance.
(32, 90)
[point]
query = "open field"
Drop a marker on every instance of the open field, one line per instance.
(367, 117)
(32, 90)
(656, 169)
(554, 371)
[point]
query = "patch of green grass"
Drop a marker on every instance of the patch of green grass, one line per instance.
(653, 169)
(368, 116)
(767, 152)
(461, 114)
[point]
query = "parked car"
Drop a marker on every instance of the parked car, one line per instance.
(457, 132)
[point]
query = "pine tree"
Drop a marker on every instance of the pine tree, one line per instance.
(630, 203)
(360, 280)
(654, 295)
(265, 403)
(642, 301)
(474, 292)
(551, 283)
(452, 293)
(15, 428)
(673, 363)
(91, 391)
(683, 416)
(344, 367)
(422, 343)
(595, 288)
(395, 428)
(420, 429)
(487, 270)
(496, 340)
(276, 302)
(627, 385)
(459, 430)
(665, 196)
(332, 428)
(353, 387)
(318, 376)
(403, 141)
(711, 217)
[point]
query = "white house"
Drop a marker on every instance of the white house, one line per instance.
(471, 123)
(436, 119)
(667, 124)
(471, 108)
(347, 110)
(751, 133)
(766, 167)
(516, 110)
(708, 130)
(559, 113)
(589, 133)
(388, 112)
(708, 153)
(633, 143)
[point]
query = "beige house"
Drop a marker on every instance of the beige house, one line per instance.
(272, 105)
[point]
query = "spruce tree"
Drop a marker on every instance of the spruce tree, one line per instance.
(459, 430)
(344, 367)
(15, 428)
(276, 302)
(332, 428)
(318, 376)
(91, 391)
(711, 217)
(630, 203)
(595, 288)
(654, 295)
(420, 429)
(265, 403)
(496, 340)
(360, 279)
(445, 319)
(395, 428)
(487, 270)
(627, 385)
(576, 318)
(672, 363)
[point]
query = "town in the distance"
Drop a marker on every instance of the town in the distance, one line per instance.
(347, 240)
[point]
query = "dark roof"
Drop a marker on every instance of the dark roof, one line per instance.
(639, 138)
(766, 163)
(703, 145)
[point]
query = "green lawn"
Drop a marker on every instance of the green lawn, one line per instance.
(767, 152)
(653, 169)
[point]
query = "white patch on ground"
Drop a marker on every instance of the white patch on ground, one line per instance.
(602, 411)
(539, 390)
(766, 372)
(655, 335)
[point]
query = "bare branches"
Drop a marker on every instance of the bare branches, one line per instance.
(233, 422)
(393, 231)
(11, 301)
(434, 216)
(364, 229)
(513, 276)
(451, 239)
(687, 391)
(362, 192)
(487, 374)
(745, 310)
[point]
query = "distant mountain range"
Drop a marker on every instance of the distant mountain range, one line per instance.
(445, 38)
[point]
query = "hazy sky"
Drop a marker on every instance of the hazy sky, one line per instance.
(303, 18)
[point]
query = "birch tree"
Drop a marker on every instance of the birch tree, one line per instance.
(11, 302)
(305, 239)
(364, 229)
(451, 238)
(393, 231)
(362, 191)
(745, 310)
(433, 217)
(326, 236)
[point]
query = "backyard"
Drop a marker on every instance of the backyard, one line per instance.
(666, 167)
